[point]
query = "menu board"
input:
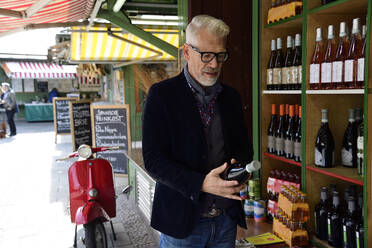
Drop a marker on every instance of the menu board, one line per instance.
(110, 125)
(81, 130)
(62, 114)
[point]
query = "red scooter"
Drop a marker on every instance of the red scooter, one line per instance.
(92, 195)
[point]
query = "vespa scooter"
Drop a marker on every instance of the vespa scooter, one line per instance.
(92, 195)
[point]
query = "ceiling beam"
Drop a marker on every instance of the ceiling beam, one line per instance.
(11, 13)
(33, 9)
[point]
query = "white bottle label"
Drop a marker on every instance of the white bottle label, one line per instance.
(270, 142)
(318, 158)
(288, 147)
(294, 74)
(277, 75)
(299, 71)
(337, 72)
(269, 77)
(361, 69)
(314, 73)
(347, 157)
(326, 72)
(286, 75)
(297, 149)
(349, 70)
(360, 146)
(279, 144)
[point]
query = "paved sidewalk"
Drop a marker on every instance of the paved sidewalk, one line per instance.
(34, 202)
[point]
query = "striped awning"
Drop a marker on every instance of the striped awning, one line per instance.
(39, 70)
(98, 46)
(56, 11)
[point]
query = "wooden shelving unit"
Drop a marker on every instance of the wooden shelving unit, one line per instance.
(336, 101)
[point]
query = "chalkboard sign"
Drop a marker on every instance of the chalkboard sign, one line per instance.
(61, 115)
(81, 129)
(110, 126)
(42, 86)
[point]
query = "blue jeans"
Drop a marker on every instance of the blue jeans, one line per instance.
(218, 232)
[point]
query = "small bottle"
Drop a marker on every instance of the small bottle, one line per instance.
(316, 61)
(279, 63)
(330, 54)
(270, 66)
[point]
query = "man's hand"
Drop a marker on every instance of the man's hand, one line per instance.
(213, 184)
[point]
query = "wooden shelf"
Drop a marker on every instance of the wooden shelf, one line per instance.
(282, 92)
(320, 243)
(346, 174)
(336, 92)
(341, 7)
(288, 161)
(291, 22)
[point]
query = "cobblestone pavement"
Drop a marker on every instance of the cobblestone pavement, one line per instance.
(34, 203)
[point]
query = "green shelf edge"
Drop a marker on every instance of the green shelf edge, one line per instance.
(274, 24)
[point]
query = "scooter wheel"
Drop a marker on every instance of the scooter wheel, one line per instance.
(95, 235)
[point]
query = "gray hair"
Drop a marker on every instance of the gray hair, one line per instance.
(213, 25)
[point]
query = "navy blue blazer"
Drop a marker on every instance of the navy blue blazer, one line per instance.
(174, 151)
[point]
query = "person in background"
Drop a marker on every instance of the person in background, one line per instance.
(53, 93)
(192, 128)
(2, 117)
(10, 105)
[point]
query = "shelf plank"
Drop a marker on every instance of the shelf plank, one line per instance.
(282, 92)
(294, 21)
(288, 161)
(340, 172)
(336, 92)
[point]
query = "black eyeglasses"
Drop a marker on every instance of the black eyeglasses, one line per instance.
(207, 57)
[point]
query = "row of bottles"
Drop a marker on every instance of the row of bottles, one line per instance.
(340, 222)
(285, 73)
(284, 135)
(276, 3)
(352, 144)
(339, 66)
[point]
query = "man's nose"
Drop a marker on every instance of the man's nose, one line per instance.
(213, 63)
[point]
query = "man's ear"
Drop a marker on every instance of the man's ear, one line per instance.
(186, 52)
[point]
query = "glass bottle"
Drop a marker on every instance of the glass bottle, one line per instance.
(271, 130)
(349, 143)
(279, 135)
(359, 231)
(360, 70)
(270, 66)
(341, 53)
(286, 73)
(290, 135)
(296, 69)
(335, 221)
(297, 139)
(360, 148)
(316, 61)
(349, 239)
(324, 144)
(321, 211)
(329, 57)
(279, 63)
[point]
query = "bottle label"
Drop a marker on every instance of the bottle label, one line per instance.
(279, 144)
(360, 146)
(277, 76)
(357, 239)
(361, 69)
(294, 74)
(329, 227)
(271, 185)
(269, 77)
(299, 71)
(286, 75)
(337, 72)
(270, 142)
(347, 157)
(345, 236)
(288, 147)
(314, 73)
(297, 149)
(326, 72)
(349, 70)
(318, 157)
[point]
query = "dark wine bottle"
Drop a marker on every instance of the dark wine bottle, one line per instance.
(271, 130)
(359, 231)
(279, 135)
(360, 148)
(349, 143)
(279, 63)
(290, 135)
(351, 220)
(270, 66)
(286, 73)
(324, 144)
(297, 139)
(296, 69)
(321, 212)
(335, 221)
(237, 172)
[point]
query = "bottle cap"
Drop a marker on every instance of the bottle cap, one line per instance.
(253, 166)
(356, 26)
(324, 194)
(358, 114)
(273, 45)
(273, 109)
(319, 35)
(291, 110)
(364, 31)
(331, 34)
(289, 41)
(281, 109)
(351, 115)
(351, 204)
(335, 198)
(342, 29)
(324, 115)
(298, 40)
(279, 43)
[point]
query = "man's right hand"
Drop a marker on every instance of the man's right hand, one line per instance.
(214, 184)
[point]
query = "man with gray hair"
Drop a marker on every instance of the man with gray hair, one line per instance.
(192, 128)
(8, 101)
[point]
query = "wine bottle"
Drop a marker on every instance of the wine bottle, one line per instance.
(279, 135)
(286, 119)
(296, 69)
(286, 73)
(341, 53)
(355, 52)
(360, 148)
(358, 116)
(316, 61)
(349, 143)
(329, 57)
(290, 135)
(350, 224)
(279, 62)
(297, 141)
(271, 130)
(324, 144)
(321, 212)
(360, 71)
(359, 232)
(270, 66)
(237, 172)
(335, 222)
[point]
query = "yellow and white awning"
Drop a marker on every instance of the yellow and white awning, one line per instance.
(98, 46)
